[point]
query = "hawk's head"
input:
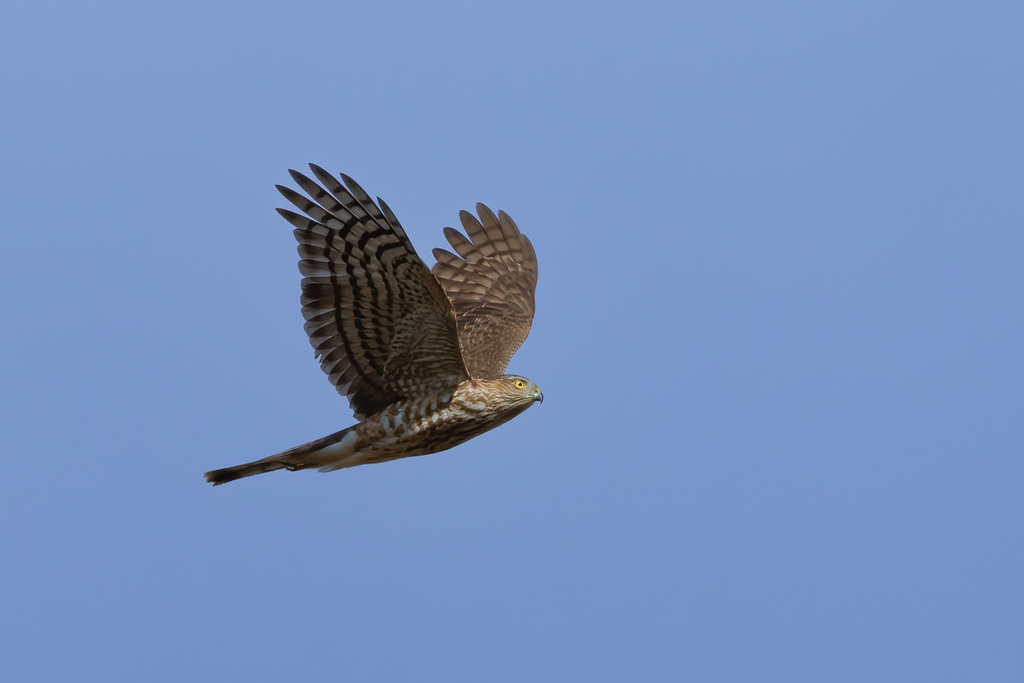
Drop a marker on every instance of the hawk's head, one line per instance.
(521, 390)
(507, 395)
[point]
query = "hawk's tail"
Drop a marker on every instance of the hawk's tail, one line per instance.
(323, 452)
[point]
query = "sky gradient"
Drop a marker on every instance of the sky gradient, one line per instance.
(779, 331)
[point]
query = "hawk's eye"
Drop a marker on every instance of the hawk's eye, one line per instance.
(520, 384)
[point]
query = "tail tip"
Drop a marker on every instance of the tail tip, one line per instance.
(217, 477)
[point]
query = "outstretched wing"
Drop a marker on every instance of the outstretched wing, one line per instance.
(378, 320)
(491, 281)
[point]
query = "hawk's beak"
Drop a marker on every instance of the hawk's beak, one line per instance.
(539, 398)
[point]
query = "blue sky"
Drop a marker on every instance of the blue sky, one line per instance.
(779, 335)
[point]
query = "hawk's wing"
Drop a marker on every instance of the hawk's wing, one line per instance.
(491, 281)
(379, 322)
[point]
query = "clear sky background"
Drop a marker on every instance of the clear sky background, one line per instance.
(779, 333)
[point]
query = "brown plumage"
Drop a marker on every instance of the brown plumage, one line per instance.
(420, 354)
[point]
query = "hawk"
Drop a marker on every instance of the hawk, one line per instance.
(420, 353)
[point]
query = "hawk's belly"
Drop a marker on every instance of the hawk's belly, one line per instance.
(417, 427)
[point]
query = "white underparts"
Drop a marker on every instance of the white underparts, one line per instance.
(337, 452)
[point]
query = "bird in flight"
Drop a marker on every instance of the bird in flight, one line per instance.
(419, 352)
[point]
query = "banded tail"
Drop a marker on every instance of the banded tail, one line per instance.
(327, 452)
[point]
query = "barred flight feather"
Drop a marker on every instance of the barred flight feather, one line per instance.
(366, 295)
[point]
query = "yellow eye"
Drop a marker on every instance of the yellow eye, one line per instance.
(520, 384)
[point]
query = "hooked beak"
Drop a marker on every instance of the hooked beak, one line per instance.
(539, 397)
